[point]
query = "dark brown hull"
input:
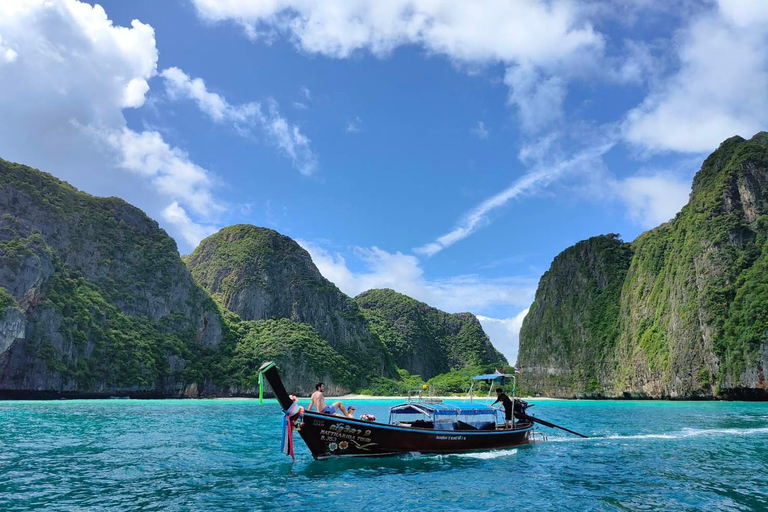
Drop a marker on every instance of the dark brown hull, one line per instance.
(335, 436)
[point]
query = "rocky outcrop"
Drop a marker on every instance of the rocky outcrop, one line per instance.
(571, 330)
(12, 327)
(103, 301)
(95, 301)
(260, 274)
(692, 312)
(424, 340)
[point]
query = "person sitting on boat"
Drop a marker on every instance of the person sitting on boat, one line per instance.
(350, 411)
(318, 401)
(507, 403)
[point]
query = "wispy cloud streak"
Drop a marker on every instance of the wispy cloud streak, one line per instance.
(244, 118)
(528, 183)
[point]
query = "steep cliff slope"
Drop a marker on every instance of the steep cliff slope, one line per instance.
(95, 300)
(693, 308)
(695, 302)
(94, 296)
(423, 340)
(571, 330)
(260, 274)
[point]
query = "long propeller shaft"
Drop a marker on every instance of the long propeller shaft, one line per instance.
(548, 424)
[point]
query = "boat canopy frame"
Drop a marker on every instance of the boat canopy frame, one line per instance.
(493, 377)
(445, 416)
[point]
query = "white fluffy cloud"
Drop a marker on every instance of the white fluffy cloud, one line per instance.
(7, 55)
(68, 74)
(538, 97)
(169, 169)
(744, 12)
(505, 333)
(403, 273)
(484, 30)
(71, 65)
(537, 39)
(720, 89)
(246, 118)
(179, 84)
(191, 231)
(652, 200)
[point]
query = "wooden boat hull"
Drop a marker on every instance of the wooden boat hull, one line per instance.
(335, 436)
(328, 435)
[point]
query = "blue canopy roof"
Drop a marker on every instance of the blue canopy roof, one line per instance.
(493, 376)
(443, 409)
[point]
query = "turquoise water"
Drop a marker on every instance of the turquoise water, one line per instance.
(224, 455)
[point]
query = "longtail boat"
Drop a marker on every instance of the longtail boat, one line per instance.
(419, 425)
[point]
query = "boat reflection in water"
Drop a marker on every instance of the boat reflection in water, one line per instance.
(419, 425)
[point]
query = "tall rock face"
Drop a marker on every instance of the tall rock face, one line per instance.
(693, 307)
(94, 298)
(423, 340)
(260, 274)
(571, 330)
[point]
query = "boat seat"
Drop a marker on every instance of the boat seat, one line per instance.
(423, 424)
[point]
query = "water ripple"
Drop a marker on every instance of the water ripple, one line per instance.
(224, 455)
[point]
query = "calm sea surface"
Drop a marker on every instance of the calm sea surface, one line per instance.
(225, 455)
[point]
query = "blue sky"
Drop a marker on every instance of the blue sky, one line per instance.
(448, 150)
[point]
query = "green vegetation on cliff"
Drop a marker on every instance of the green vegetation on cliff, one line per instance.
(291, 345)
(574, 320)
(101, 303)
(242, 256)
(260, 274)
(108, 304)
(108, 240)
(424, 340)
(691, 318)
(6, 301)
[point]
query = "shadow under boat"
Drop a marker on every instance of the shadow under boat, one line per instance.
(421, 426)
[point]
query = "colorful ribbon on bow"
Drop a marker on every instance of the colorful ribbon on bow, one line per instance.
(288, 425)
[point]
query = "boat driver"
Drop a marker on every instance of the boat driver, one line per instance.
(318, 401)
(507, 403)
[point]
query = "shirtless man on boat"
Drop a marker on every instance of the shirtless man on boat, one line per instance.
(318, 401)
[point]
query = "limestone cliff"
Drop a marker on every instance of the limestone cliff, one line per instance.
(571, 330)
(97, 300)
(693, 308)
(260, 274)
(424, 340)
